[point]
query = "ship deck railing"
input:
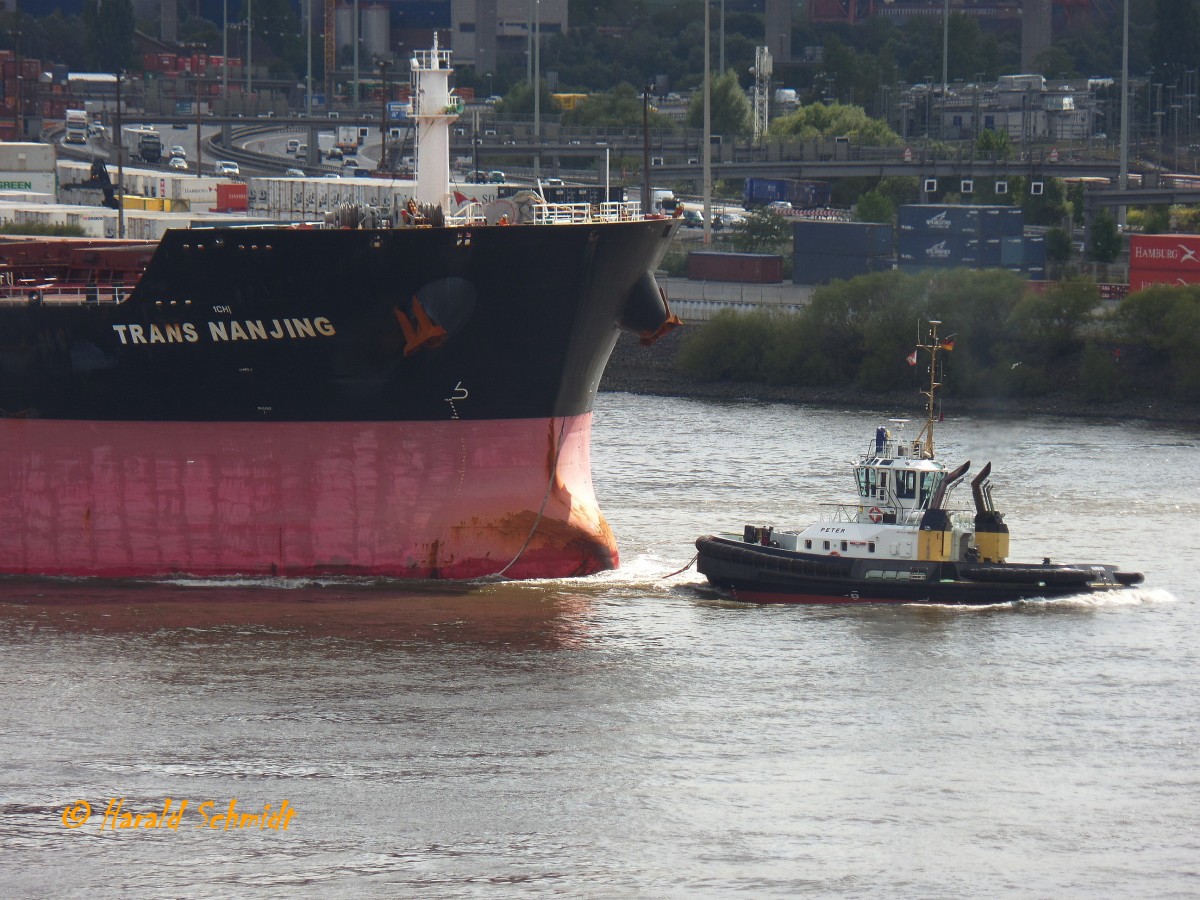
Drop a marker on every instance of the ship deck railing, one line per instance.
(558, 213)
(583, 213)
(54, 294)
(860, 513)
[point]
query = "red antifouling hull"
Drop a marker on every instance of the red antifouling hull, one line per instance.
(459, 499)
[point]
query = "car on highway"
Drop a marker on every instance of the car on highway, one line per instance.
(227, 167)
(294, 173)
(177, 162)
(334, 153)
(692, 219)
(178, 152)
(293, 145)
(349, 163)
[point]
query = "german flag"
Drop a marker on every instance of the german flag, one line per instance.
(947, 343)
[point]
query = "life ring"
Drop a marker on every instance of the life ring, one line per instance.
(834, 553)
(875, 514)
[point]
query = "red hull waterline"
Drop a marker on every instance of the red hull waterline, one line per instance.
(461, 499)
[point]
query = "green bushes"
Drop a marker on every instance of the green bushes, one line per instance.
(1011, 342)
(39, 229)
(1165, 323)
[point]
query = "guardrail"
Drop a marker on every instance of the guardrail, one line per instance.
(63, 295)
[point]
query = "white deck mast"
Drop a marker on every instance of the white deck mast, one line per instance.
(434, 107)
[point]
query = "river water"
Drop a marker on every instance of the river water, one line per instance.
(630, 735)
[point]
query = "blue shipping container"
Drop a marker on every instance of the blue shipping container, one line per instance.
(812, 237)
(935, 249)
(939, 217)
(1001, 221)
(798, 192)
(822, 268)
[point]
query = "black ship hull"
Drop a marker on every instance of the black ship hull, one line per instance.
(402, 403)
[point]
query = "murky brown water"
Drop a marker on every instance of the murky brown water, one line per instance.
(630, 735)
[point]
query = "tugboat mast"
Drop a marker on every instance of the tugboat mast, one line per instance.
(925, 437)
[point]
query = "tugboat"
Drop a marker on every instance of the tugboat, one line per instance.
(900, 540)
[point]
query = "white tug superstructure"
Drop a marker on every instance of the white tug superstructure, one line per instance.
(900, 483)
(899, 541)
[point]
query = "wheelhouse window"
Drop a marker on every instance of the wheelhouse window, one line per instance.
(870, 546)
(845, 546)
(929, 484)
(868, 481)
(826, 547)
(807, 544)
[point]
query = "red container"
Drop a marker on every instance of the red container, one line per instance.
(740, 268)
(1164, 251)
(232, 197)
(1144, 278)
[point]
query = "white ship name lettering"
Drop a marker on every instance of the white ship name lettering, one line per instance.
(156, 334)
(247, 330)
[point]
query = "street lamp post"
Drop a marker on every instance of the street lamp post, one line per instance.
(722, 53)
(383, 92)
(308, 70)
(19, 121)
(646, 210)
(120, 139)
(1175, 109)
(537, 86)
(249, 46)
(356, 39)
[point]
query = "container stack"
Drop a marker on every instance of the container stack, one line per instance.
(1034, 264)
(1163, 259)
(975, 237)
(826, 250)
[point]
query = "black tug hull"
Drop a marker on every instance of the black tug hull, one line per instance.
(757, 574)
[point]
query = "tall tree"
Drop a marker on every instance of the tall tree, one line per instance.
(1175, 37)
(834, 120)
(620, 107)
(730, 108)
(109, 41)
(1106, 240)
